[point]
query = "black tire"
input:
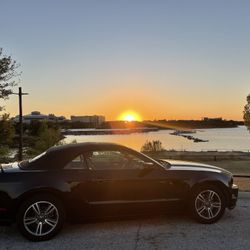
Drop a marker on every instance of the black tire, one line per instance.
(44, 225)
(207, 204)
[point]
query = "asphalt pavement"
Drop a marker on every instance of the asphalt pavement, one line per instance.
(159, 232)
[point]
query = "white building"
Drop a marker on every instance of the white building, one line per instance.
(37, 116)
(97, 119)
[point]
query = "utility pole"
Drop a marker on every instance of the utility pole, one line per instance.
(20, 149)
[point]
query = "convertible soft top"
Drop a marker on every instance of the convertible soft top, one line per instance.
(58, 156)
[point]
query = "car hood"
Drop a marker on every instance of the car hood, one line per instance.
(194, 166)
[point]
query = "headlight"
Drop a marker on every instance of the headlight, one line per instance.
(231, 182)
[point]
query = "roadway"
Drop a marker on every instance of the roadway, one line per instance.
(158, 232)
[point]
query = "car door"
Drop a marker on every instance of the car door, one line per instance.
(125, 180)
(77, 177)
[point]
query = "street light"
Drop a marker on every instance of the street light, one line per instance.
(20, 150)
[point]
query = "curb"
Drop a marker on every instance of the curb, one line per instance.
(244, 195)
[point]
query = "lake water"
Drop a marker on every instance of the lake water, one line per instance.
(222, 139)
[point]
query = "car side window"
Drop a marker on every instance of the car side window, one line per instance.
(77, 163)
(113, 160)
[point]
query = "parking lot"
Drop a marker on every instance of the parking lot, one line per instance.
(159, 232)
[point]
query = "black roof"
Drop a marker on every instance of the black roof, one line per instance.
(56, 157)
(83, 146)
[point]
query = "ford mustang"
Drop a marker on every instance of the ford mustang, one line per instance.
(85, 180)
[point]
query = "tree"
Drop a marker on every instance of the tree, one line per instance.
(36, 127)
(4, 154)
(246, 113)
(152, 147)
(48, 138)
(7, 131)
(44, 136)
(8, 73)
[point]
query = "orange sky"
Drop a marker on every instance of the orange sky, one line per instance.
(148, 105)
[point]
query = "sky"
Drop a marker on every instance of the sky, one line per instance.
(161, 59)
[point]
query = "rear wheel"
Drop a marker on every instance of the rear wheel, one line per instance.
(40, 217)
(207, 204)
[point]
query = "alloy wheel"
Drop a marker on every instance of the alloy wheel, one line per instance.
(208, 204)
(41, 218)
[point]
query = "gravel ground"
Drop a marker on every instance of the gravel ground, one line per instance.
(161, 232)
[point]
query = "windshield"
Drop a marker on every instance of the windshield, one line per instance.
(25, 163)
(37, 157)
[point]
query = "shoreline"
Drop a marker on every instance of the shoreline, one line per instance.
(178, 131)
(201, 155)
(118, 131)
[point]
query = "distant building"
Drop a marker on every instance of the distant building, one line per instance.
(96, 119)
(52, 117)
(37, 116)
(207, 119)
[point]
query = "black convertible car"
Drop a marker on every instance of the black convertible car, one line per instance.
(80, 181)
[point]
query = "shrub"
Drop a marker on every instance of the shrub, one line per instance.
(47, 137)
(4, 154)
(152, 146)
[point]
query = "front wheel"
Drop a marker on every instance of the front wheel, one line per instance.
(207, 204)
(40, 217)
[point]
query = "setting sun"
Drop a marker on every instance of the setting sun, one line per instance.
(129, 116)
